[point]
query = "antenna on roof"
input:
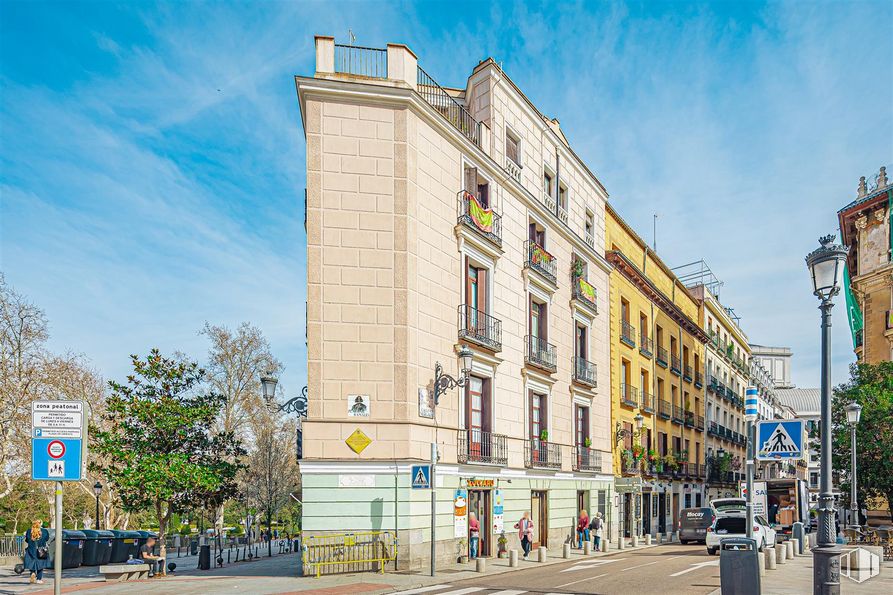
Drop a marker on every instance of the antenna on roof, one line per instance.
(654, 235)
(351, 37)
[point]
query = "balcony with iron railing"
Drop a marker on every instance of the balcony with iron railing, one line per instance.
(629, 395)
(714, 382)
(540, 261)
(540, 454)
(484, 221)
(687, 373)
(627, 333)
(678, 414)
(699, 423)
(647, 402)
(361, 61)
(712, 429)
(699, 379)
(646, 345)
(452, 110)
(675, 365)
(630, 466)
(689, 419)
(480, 328)
(477, 446)
(584, 372)
(539, 353)
(662, 357)
(859, 338)
(665, 410)
(585, 294)
(587, 459)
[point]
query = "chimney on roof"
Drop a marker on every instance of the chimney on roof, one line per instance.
(863, 187)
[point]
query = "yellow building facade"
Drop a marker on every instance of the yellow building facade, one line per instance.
(657, 386)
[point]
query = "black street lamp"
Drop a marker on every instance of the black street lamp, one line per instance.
(853, 413)
(826, 268)
(444, 382)
(97, 489)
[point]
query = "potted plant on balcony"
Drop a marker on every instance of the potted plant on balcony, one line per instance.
(577, 268)
(628, 457)
(638, 451)
(544, 435)
(671, 462)
(587, 442)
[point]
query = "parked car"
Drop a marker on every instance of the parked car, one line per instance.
(733, 524)
(724, 505)
(693, 524)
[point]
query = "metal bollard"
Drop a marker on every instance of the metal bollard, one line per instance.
(789, 549)
(541, 554)
(762, 558)
(770, 558)
(480, 564)
(648, 539)
(780, 552)
(566, 551)
(587, 548)
(513, 558)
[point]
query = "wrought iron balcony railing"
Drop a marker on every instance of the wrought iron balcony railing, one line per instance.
(540, 261)
(479, 327)
(662, 357)
(541, 454)
(678, 414)
(627, 333)
(361, 61)
(690, 419)
(699, 380)
(647, 402)
(484, 221)
(699, 423)
(540, 353)
(584, 372)
(687, 373)
(443, 102)
(629, 395)
(664, 409)
(675, 365)
(712, 429)
(587, 459)
(477, 446)
(585, 293)
(630, 466)
(646, 344)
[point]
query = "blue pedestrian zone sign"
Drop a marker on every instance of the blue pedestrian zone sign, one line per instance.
(58, 440)
(780, 440)
(421, 477)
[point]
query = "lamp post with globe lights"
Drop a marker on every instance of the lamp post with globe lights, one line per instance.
(826, 269)
(853, 413)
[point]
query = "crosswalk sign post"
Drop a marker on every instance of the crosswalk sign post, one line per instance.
(780, 440)
(421, 477)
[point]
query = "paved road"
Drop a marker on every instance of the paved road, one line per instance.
(668, 569)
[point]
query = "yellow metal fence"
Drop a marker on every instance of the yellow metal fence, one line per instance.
(349, 552)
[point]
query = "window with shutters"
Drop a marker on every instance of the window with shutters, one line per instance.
(582, 425)
(478, 186)
(537, 414)
(512, 146)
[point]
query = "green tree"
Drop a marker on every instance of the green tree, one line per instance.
(872, 387)
(158, 448)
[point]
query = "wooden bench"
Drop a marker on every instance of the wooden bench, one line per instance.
(124, 572)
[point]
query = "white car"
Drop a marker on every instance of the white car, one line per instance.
(734, 524)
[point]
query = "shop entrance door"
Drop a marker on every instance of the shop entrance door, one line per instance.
(479, 504)
(539, 514)
(662, 513)
(646, 514)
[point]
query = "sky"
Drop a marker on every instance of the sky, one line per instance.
(152, 166)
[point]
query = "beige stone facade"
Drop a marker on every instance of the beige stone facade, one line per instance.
(404, 270)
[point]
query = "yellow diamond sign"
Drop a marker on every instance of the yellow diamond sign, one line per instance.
(358, 441)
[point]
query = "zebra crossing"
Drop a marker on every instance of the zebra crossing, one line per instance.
(451, 590)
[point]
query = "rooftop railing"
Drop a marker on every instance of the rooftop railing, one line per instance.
(451, 109)
(361, 61)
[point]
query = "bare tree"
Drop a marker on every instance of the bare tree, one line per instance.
(236, 361)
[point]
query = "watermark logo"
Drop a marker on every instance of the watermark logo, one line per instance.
(860, 564)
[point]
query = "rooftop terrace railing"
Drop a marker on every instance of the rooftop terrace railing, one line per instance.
(443, 102)
(361, 61)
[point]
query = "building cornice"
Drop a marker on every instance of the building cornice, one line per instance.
(623, 265)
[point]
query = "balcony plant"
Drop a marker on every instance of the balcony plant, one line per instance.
(671, 462)
(544, 435)
(638, 451)
(587, 442)
(627, 456)
(577, 268)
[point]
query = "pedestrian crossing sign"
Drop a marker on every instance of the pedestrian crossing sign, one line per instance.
(421, 477)
(780, 440)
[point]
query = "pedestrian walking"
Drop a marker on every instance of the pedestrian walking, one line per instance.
(595, 529)
(37, 553)
(582, 528)
(474, 534)
(525, 532)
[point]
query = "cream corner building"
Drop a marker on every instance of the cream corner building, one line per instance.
(438, 219)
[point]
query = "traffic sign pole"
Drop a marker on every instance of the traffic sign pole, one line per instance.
(433, 510)
(57, 563)
(750, 416)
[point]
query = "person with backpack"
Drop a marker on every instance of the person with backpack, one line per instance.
(595, 529)
(37, 552)
(582, 528)
(525, 533)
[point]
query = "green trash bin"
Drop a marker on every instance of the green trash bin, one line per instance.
(97, 547)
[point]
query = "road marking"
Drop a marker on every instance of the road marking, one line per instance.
(641, 565)
(424, 589)
(592, 578)
(696, 567)
(462, 591)
(508, 592)
(593, 564)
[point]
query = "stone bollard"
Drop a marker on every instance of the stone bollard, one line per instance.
(660, 538)
(789, 549)
(621, 543)
(541, 554)
(513, 558)
(604, 545)
(587, 548)
(648, 539)
(770, 558)
(762, 562)
(480, 564)
(634, 542)
(780, 552)
(566, 551)
(796, 548)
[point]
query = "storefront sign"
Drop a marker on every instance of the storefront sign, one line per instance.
(480, 483)
(460, 513)
(498, 526)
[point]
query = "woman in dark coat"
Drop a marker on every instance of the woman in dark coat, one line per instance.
(36, 537)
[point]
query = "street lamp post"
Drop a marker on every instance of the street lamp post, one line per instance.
(826, 268)
(97, 489)
(853, 412)
(619, 434)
